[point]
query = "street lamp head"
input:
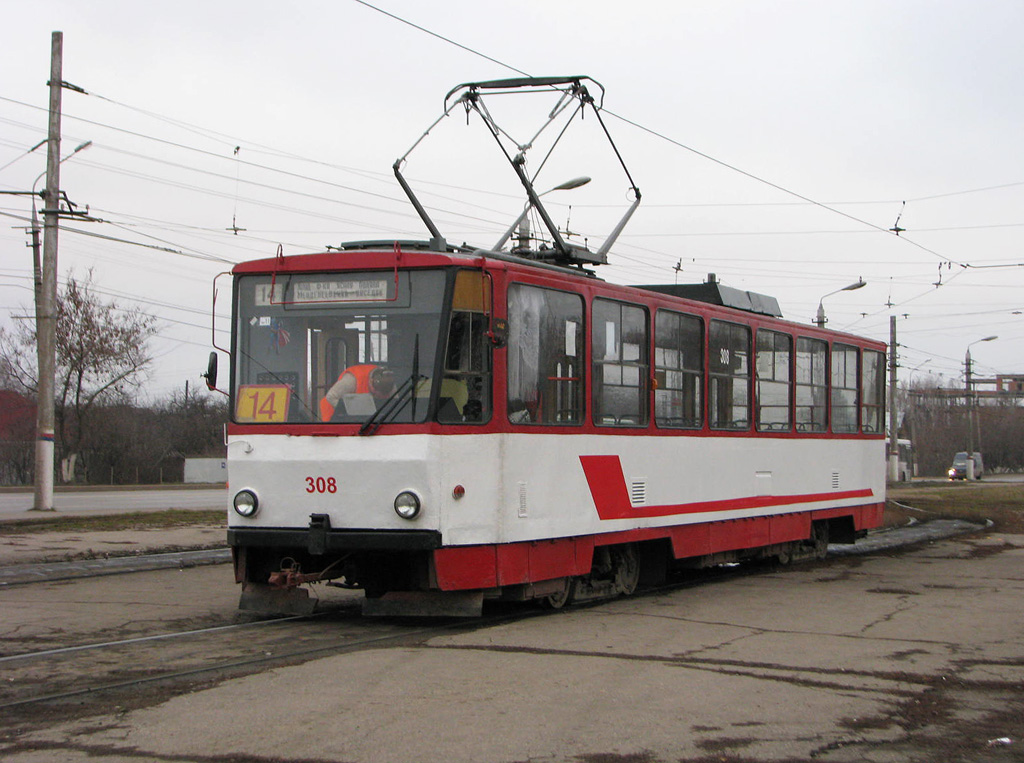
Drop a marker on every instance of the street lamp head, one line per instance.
(79, 147)
(979, 341)
(860, 282)
(568, 185)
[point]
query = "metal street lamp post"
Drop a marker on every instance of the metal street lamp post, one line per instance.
(821, 320)
(969, 398)
(568, 185)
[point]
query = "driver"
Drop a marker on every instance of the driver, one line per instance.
(378, 381)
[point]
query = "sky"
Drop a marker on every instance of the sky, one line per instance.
(775, 145)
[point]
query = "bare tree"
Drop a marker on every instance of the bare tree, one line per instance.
(101, 358)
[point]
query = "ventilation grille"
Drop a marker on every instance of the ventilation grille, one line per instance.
(522, 499)
(638, 493)
(835, 480)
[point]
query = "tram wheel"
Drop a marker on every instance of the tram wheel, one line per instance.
(563, 597)
(626, 568)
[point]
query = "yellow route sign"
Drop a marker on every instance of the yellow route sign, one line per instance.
(263, 403)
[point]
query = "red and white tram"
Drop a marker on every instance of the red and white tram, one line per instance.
(537, 433)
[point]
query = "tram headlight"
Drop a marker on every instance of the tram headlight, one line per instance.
(246, 503)
(407, 505)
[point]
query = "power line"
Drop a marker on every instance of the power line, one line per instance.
(442, 38)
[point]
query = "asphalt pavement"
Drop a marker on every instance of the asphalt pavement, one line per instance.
(887, 658)
(17, 504)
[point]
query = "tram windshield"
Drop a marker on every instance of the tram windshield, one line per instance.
(337, 347)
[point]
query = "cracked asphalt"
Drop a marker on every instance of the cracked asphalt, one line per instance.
(915, 654)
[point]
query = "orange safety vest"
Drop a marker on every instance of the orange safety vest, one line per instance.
(361, 374)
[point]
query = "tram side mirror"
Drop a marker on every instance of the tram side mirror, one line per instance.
(211, 372)
(499, 332)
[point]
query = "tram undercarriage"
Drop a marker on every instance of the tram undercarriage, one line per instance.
(404, 583)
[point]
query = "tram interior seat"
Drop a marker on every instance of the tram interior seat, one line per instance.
(681, 422)
(452, 401)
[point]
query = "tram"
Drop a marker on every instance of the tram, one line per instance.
(440, 425)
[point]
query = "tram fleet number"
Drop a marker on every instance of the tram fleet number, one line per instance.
(321, 485)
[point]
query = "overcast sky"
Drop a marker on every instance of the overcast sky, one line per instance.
(774, 144)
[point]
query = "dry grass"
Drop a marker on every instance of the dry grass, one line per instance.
(1001, 502)
(135, 520)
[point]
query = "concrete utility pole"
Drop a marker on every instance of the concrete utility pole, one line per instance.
(894, 447)
(46, 304)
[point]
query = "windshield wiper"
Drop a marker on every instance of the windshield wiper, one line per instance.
(390, 407)
(396, 400)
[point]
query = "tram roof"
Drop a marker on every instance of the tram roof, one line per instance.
(715, 293)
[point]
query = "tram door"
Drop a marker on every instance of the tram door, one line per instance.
(465, 394)
(330, 354)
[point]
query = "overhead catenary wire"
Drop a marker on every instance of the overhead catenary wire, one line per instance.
(804, 199)
(631, 260)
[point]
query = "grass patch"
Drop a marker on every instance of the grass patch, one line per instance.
(134, 520)
(1003, 503)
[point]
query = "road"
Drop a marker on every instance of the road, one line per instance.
(905, 655)
(15, 505)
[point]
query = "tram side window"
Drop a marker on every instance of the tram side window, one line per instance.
(811, 385)
(774, 355)
(844, 388)
(729, 356)
(678, 370)
(619, 347)
(545, 356)
(872, 391)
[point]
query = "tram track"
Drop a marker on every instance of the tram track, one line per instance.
(222, 669)
(59, 677)
(110, 670)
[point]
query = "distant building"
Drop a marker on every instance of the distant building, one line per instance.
(1010, 383)
(17, 416)
(17, 438)
(206, 470)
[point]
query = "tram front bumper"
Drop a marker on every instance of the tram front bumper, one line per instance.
(319, 540)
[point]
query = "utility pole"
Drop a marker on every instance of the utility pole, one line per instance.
(894, 448)
(46, 304)
(969, 402)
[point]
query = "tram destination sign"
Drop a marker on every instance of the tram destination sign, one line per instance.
(333, 290)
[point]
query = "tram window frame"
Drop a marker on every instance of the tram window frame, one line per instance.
(538, 358)
(620, 338)
(729, 376)
(872, 392)
(811, 384)
(678, 370)
(845, 388)
(773, 369)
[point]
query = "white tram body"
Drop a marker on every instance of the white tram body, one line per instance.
(519, 504)
(448, 424)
